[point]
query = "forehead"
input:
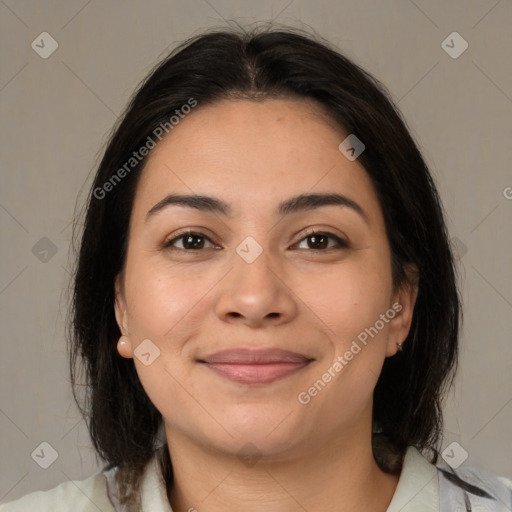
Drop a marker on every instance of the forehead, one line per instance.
(254, 152)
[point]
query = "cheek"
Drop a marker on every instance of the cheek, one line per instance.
(160, 299)
(350, 304)
(349, 299)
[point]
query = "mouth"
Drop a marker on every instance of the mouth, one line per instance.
(255, 366)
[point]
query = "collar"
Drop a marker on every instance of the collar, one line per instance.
(154, 495)
(418, 488)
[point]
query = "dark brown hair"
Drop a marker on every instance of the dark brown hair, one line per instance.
(254, 65)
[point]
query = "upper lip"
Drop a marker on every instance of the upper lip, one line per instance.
(255, 356)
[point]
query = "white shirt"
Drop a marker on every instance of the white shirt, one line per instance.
(421, 488)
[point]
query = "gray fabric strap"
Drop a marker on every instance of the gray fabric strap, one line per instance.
(453, 498)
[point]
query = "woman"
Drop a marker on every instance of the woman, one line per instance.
(265, 301)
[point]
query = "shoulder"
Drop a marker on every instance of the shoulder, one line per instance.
(474, 487)
(425, 487)
(82, 496)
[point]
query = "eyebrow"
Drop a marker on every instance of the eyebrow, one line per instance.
(302, 202)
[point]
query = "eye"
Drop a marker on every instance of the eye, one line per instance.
(319, 241)
(191, 241)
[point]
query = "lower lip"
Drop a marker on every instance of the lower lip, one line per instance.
(256, 373)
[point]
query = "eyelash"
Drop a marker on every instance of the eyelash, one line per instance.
(343, 244)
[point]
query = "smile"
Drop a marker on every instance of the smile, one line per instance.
(255, 366)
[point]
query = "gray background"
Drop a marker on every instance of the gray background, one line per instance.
(55, 116)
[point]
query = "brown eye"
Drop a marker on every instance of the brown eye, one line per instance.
(190, 241)
(320, 241)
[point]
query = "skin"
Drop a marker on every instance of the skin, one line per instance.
(253, 155)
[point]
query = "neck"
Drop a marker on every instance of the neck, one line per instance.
(340, 476)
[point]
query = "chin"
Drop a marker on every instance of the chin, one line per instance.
(256, 444)
(270, 429)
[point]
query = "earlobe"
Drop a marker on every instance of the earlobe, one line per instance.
(124, 347)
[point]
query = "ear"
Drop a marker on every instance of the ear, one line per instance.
(403, 302)
(120, 306)
(124, 345)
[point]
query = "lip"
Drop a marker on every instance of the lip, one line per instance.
(248, 366)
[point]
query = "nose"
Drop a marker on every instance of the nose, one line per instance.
(256, 294)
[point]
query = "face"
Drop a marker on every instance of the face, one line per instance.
(250, 317)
